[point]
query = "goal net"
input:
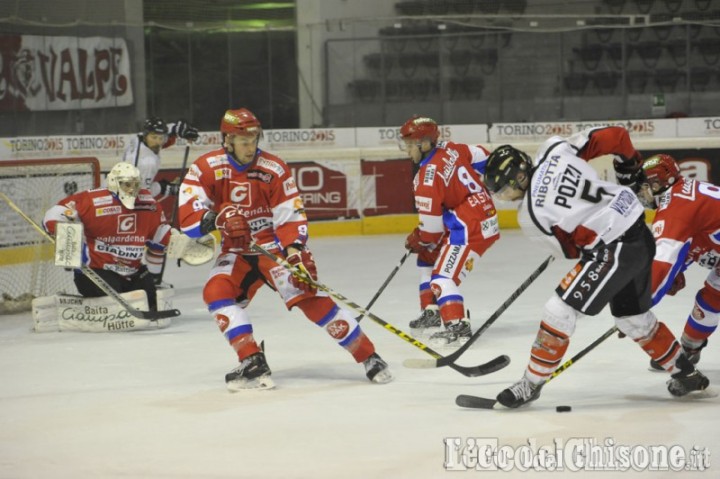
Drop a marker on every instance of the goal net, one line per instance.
(27, 267)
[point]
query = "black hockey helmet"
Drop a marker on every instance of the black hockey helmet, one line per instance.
(155, 125)
(503, 167)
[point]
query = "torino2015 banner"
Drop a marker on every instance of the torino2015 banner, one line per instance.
(63, 73)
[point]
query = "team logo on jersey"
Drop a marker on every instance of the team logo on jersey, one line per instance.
(657, 228)
(240, 194)
(259, 175)
(107, 211)
(490, 227)
(423, 204)
(570, 277)
(215, 161)
(221, 173)
(222, 321)
(469, 264)
(271, 165)
(338, 329)
(127, 224)
(102, 200)
(429, 176)
(289, 186)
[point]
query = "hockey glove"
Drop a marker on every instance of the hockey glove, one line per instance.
(207, 223)
(567, 244)
(303, 261)
(678, 284)
(414, 243)
(234, 228)
(184, 130)
(169, 188)
(630, 173)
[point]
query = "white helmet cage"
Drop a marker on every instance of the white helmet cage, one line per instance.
(124, 181)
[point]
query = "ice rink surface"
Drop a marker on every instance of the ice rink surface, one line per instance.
(154, 405)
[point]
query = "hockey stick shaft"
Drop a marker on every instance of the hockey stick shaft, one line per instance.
(478, 402)
(299, 274)
(582, 353)
(387, 281)
(451, 358)
(93, 276)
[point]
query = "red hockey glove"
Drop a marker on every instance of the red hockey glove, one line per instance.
(234, 227)
(678, 284)
(303, 261)
(429, 256)
(413, 242)
(569, 248)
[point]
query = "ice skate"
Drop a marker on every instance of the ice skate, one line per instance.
(457, 332)
(429, 318)
(520, 393)
(693, 355)
(688, 379)
(377, 370)
(253, 373)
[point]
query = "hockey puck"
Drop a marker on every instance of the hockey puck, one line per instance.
(563, 409)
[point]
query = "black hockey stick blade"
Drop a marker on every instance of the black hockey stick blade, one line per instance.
(475, 402)
(482, 369)
(155, 315)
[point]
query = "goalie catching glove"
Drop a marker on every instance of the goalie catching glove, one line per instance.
(302, 260)
(193, 251)
(234, 228)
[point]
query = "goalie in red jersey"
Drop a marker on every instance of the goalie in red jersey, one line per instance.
(686, 230)
(122, 225)
(250, 195)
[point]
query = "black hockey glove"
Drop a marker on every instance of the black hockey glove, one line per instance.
(169, 188)
(630, 173)
(184, 130)
(207, 223)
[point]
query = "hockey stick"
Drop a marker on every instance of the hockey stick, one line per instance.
(176, 206)
(477, 402)
(451, 358)
(480, 370)
(387, 281)
(96, 278)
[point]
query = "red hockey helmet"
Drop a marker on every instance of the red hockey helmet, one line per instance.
(240, 122)
(420, 128)
(661, 171)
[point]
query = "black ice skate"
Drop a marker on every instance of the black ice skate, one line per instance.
(693, 355)
(429, 318)
(377, 370)
(520, 393)
(455, 331)
(253, 373)
(688, 379)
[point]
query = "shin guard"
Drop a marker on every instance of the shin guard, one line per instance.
(547, 352)
(661, 346)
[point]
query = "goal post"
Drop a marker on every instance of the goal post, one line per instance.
(27, 267)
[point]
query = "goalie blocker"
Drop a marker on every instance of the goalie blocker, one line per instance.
(97, 315)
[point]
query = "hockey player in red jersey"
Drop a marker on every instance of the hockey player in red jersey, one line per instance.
(603, 225)
(122, 225)
(458, 223)
(686, 230)
(250, 195)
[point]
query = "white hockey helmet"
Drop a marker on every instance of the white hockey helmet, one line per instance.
(124, 181)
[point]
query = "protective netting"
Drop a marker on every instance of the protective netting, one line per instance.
(27, 267)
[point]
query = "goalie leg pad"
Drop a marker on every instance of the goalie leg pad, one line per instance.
(97, 315)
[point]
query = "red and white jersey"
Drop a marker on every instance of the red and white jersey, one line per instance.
(566, 196)
(450, 196)
(686, 229)
(264, 189)
(115, 236)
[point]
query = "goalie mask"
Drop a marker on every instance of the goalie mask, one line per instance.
(507, 173)
(124, 182)
(661, 173)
